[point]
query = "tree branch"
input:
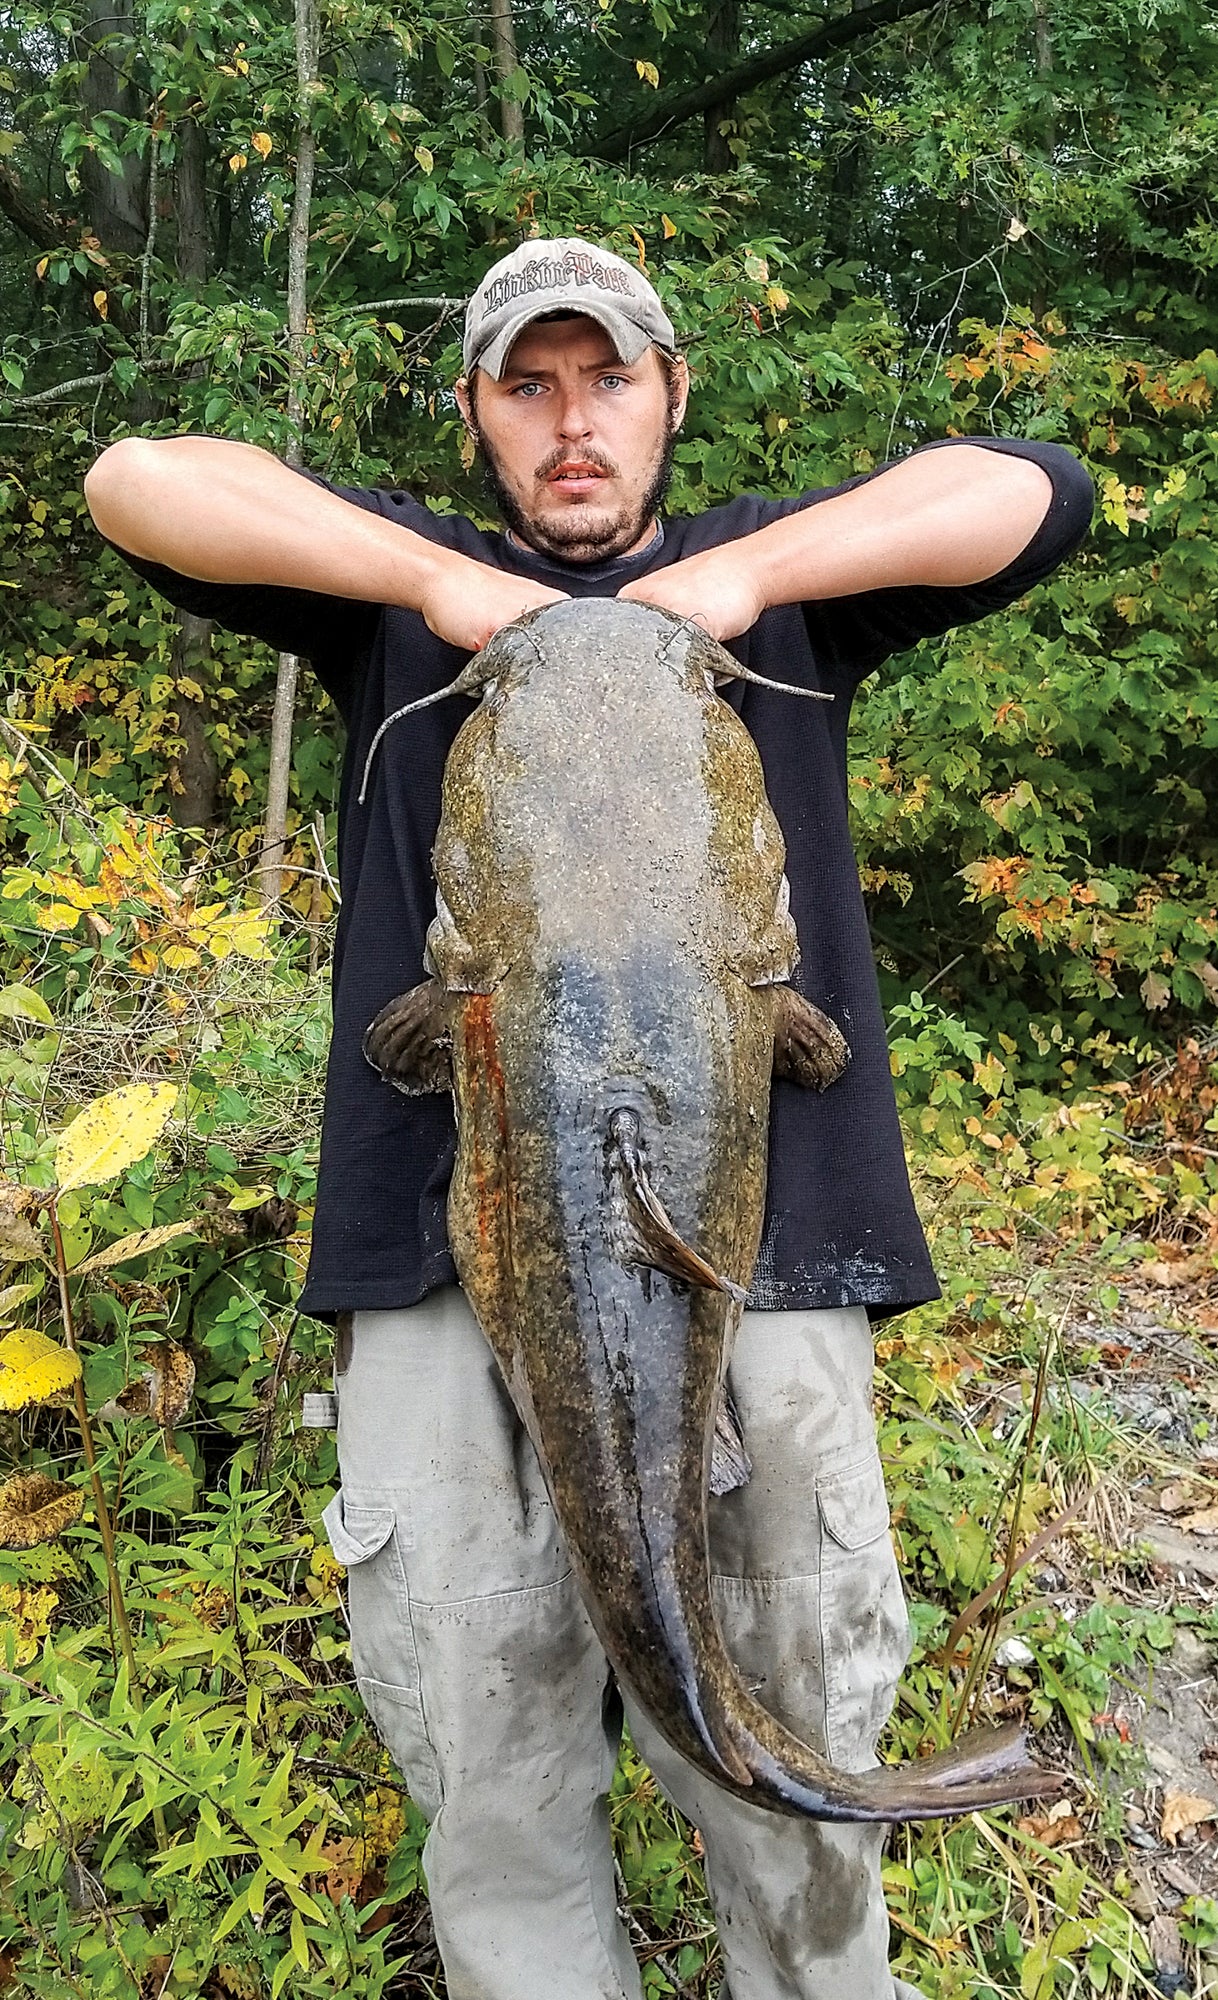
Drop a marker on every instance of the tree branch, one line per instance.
(31, 216)
(674, 107)
(81, 384)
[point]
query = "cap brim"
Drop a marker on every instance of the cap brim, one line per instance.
(629, 340)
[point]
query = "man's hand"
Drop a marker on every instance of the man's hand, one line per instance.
(948, 516)
(720, 589)
(465, 602)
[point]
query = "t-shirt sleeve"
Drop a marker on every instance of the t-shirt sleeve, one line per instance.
(334, 633)
(853, 635)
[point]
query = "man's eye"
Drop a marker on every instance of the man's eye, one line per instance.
(526, 388)
(615, 381)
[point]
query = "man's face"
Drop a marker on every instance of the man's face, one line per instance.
(577, 445)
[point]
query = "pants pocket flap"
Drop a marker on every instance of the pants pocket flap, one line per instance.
(356, 1530)
(854, 1505)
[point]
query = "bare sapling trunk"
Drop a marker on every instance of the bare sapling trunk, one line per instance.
(307, 40)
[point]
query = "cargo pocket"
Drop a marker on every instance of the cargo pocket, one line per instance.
(863, 1620)
(366, 1538)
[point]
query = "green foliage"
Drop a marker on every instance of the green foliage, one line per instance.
(1000, 226)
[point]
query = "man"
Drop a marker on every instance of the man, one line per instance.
(472, 1650)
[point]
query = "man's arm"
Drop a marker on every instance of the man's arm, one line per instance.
(946, 517)
(230, 513)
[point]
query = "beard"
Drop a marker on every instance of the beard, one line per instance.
(580, 534)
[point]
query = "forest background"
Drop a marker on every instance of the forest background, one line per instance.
(873, 225)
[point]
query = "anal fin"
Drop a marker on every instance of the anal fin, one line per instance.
(410, 1041)
(809, 1048)
(653, 1238)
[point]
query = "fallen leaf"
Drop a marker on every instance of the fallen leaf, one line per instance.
(1053, 1832)
(1203, 1522)
(1182, 1810)
(1180, 1272)
(1178, 1497)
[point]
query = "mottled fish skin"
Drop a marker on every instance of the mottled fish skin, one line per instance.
(610, 954)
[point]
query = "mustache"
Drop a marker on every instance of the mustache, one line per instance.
(564, 456)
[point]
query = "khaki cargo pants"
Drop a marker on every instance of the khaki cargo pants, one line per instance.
(484, 1678)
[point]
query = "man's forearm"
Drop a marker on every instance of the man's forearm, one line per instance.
(948, 517)
(230, 513)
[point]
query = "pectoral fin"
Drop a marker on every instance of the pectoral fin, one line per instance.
(410, 1042)
(651, 1238)
(809, 1048)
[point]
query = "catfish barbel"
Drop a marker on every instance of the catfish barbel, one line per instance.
(608, 999)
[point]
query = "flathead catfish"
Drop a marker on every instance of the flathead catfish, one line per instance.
(608, 1000)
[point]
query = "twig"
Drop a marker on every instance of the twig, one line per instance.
(371, 1779)
(640, 1936)
(972, 1611)
(317, 827)
(981, 1656)
(154, 163)
(266, 1443)
(82, 382)
(444, 305)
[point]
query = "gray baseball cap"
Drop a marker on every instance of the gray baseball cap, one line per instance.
(559, 274)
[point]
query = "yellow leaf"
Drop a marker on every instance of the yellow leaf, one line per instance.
(245, 932)
(102, 303)
(179, 957)
(238, 162)
(33, 1367)
(40, 268)
(668, 226)
(261, 143)
(776, 298)
(136, 1245)
(112, 1134)
(425, 157)
(640, 247)
(648, 73)
(35, 1508)
(57, 917)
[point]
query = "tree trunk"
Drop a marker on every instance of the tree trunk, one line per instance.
(503, 44)
(197, 770)
(118, 203)
(190, 201)
(844, 142)
(307, 40)
(723, 49)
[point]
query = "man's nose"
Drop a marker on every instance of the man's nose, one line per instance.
(574, 416)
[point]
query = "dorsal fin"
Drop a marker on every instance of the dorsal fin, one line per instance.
(655, 1241)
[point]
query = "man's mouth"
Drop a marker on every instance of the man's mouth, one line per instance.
(576, 478)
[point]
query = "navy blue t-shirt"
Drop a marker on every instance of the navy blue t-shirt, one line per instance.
(841, 1227)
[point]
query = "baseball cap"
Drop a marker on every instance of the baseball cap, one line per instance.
(562, 274)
